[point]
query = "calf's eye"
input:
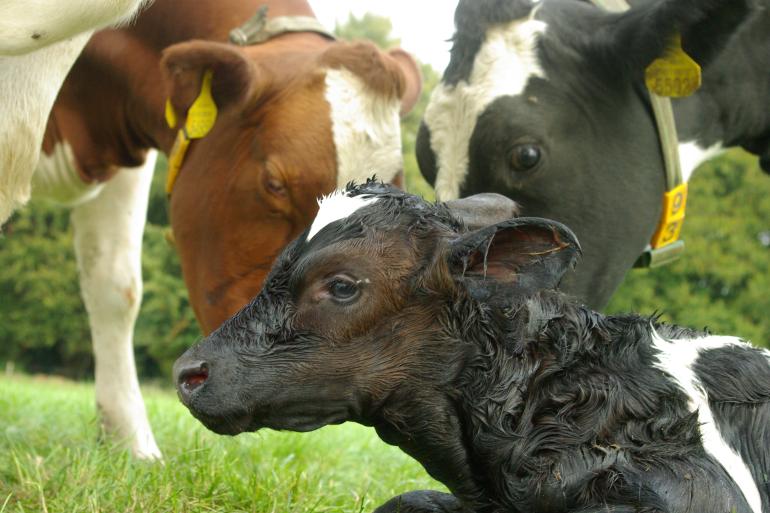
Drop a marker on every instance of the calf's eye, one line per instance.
(343, 290)
(525, 157)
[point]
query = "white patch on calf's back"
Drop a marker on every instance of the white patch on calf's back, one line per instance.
(337, 205)
(502, 67)
(366, 128)
(676, 359)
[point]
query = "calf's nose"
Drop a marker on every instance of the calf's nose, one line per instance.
(189, 376)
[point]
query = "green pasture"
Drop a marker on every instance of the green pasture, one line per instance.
(52, 460)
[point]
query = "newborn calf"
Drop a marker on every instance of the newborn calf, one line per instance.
(453, 344)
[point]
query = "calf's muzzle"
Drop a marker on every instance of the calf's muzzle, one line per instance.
(189, 376)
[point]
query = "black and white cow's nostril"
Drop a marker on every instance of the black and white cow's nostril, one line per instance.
(190, 377)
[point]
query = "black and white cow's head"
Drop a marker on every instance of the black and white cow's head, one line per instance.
(544, 101)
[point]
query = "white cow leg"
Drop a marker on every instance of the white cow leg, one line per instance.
(108, 246)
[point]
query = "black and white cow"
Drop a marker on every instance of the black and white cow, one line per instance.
(545, 102)
(453, 344)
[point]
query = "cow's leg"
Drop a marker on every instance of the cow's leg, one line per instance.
(423, 501)
(108, 246)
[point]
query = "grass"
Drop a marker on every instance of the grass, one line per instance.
(52, 461)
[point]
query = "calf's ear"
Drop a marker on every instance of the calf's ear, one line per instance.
(183, 66)
(519, 256)
(631, 40)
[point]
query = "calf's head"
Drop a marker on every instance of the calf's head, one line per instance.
(298, 116)
(364, 317)
(545, 102)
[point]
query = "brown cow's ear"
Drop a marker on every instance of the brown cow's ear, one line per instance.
(183, 65)
(394, 73)
(521, 256)
(412, 79)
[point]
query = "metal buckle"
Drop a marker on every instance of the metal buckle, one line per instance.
(652, 257)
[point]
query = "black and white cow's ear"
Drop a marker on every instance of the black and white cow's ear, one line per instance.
(483, 209)
(521, 256)
(633, 39)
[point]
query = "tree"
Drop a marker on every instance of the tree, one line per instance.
(369, 26)
(43, 325)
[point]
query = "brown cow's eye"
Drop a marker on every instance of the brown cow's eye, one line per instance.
(525, 157)
(343, 289)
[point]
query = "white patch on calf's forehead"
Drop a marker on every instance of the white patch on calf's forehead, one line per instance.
(338, 205)
(366, 128)
(503, 66)
(676, 358)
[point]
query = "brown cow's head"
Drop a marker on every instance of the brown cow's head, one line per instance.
(294, 122)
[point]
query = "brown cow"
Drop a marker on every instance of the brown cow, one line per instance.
(298, 115)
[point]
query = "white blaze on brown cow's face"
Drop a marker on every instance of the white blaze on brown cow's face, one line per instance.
(296, 126)
(366, 128)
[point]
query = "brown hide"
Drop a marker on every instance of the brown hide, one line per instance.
(248, 187)
(274, 164)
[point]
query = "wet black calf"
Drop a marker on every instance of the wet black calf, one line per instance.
(453, 344)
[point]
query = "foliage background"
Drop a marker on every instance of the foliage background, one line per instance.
(721, 283)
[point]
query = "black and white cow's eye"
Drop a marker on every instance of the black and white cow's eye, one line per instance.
(343, 289)
(525, 157)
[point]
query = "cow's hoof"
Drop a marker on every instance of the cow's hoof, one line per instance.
(423, 501)
(146, 450)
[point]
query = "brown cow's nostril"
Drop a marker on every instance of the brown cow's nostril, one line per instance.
(194, 376)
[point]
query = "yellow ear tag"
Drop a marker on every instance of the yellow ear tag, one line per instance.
(674, 203)
(675, 74)
(175, 160)
(170, 114)
(203, 112)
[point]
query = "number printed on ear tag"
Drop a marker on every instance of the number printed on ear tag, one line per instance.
(675, 74)
(674, 204)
